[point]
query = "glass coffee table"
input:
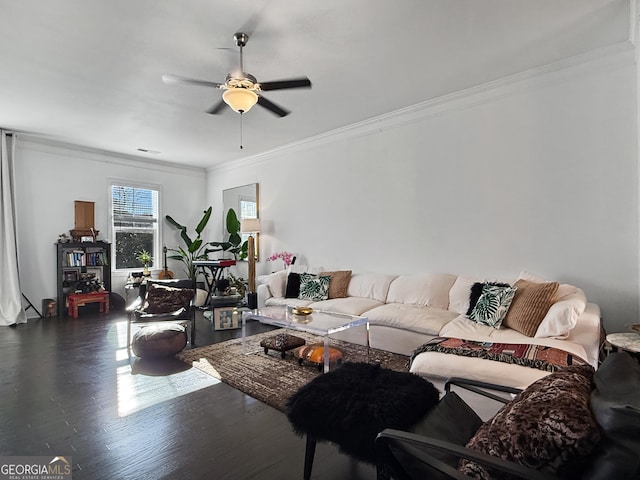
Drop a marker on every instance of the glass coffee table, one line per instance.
(318, 322)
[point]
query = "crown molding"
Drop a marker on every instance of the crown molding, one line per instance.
(38, 144)
(618, 54)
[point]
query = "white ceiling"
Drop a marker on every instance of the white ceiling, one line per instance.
(87, 72)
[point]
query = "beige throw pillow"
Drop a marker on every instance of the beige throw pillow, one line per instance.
(339, 283)
(530, 305)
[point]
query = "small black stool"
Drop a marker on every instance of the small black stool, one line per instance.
(350, 405)
(282, 342)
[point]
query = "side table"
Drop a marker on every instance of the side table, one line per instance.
(629, 342)
(76, 300)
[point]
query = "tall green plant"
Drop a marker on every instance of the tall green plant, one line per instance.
(194, 249)
(234, 244)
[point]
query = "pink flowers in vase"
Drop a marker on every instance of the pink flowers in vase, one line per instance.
(287, 257)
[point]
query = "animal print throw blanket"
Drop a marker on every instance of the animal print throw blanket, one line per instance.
(549, 359)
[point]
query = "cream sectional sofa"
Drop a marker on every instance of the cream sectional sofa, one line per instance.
(405, 311)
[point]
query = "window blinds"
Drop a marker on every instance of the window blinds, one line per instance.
(134, 206)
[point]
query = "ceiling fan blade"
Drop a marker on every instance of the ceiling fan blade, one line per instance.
(302, 82)
(269, 105)
(170, 78)
(217, 108)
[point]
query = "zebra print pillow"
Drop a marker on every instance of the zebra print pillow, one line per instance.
(314, 287)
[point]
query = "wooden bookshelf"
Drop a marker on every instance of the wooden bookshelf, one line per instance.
(76, 258)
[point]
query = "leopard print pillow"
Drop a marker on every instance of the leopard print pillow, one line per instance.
(165, 299)
(548, 427)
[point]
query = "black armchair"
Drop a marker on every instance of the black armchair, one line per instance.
(161, 301)
(433, 448)
(592, 432)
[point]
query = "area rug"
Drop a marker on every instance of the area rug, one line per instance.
(269, 378)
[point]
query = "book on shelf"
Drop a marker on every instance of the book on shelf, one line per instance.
(80, 258)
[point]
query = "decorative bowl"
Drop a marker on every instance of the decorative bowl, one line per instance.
(302, 310)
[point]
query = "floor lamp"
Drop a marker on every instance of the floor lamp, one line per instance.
(251, 226)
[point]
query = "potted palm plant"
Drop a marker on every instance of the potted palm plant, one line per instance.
(194, 249)
(234, 243)
(145, 258)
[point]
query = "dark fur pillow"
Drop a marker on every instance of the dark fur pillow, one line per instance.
(293, 286)
(549, 427)
(164, 299)
(476, 291)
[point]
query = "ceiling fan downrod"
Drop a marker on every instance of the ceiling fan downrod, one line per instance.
(241, 40)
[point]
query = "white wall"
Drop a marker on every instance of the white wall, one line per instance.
(537, 172)
(49, 179)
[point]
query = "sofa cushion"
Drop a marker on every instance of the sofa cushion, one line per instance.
(459, 293)
(549, 427)
(562, 316)
(292, 289)
(314, 287)
(348, 305)
(530, 305)
(370, 285)
(276, 282)
(476, 292)
(428, 320)
(615, 402)
(423, 290)
(493, 304)
(295, 302)
(339, 283)
(462, 327)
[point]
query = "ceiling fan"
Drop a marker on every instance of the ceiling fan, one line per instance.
(241, 90)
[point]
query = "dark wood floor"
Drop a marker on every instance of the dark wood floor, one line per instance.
(68, 388)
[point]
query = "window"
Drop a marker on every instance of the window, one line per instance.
(248, 209)
(134, 214)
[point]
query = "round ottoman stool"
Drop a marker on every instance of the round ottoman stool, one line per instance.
(314, 353)
(157, 341)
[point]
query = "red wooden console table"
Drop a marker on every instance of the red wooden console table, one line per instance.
(76, 300)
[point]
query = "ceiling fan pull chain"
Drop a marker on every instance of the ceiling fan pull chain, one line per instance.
(241, 131)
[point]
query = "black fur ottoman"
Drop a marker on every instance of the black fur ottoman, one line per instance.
(350, 405)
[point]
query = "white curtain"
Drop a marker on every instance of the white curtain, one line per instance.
(11, 310)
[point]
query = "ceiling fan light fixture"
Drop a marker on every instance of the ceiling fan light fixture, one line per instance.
(240, 99)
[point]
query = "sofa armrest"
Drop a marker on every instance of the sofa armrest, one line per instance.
(390, 441)
(273, 286)
(263, 294)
